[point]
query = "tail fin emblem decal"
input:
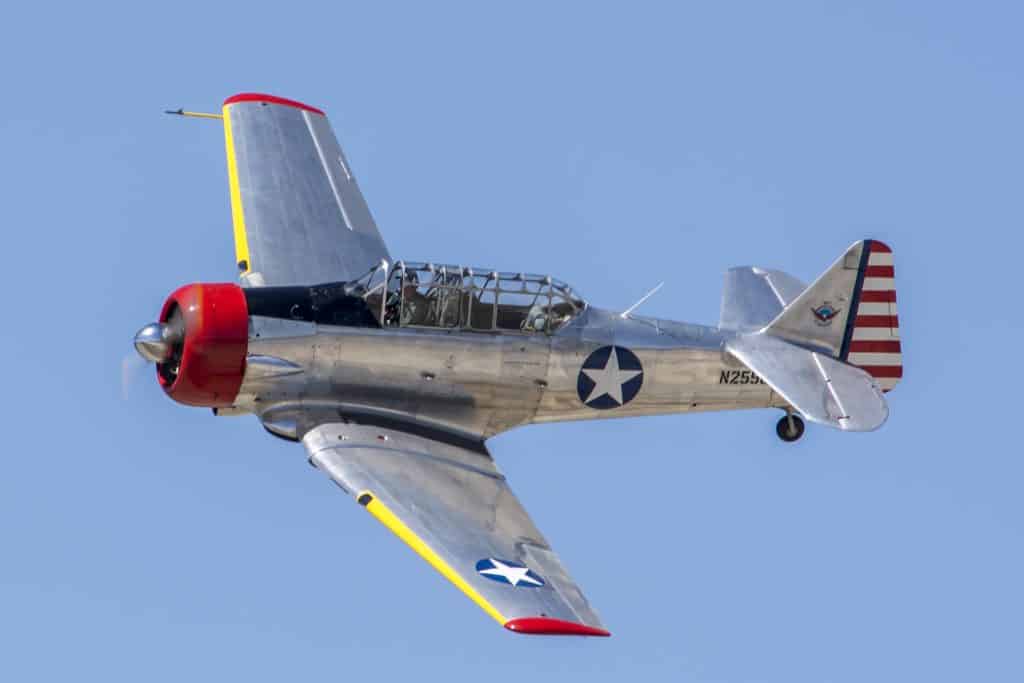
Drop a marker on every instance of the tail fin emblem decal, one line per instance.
(824, 313)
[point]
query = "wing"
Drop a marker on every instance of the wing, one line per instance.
(299, 216)
(447, 500)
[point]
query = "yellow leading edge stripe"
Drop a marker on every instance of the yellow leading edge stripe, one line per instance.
(386, 517)
(237, 214)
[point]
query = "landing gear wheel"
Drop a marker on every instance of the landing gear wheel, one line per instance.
(790, 428)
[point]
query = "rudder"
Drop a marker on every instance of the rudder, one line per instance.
(872, 337)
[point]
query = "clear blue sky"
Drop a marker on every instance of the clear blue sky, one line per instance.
(614, 148)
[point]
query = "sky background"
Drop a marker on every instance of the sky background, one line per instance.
(614, 147)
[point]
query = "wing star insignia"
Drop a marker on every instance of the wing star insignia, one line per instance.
(512, 573)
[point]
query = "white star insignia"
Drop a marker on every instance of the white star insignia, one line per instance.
(609, 379)
(514, 575)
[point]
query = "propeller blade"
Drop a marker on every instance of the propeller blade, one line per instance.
(131, 366)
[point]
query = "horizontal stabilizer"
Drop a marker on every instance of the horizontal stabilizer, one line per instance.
(752, 297)
(819, 387)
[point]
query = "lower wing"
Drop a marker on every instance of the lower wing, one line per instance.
(447, 500)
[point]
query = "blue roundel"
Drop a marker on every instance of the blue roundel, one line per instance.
(610, 377)
(512, 573)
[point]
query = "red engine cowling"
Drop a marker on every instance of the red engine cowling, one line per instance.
(207, 365)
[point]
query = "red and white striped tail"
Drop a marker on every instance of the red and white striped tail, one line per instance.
(872, 340)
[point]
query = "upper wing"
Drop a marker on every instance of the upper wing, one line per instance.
(448, 502)
(298, 213)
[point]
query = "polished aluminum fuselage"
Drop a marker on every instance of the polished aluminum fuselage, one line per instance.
(483, 384)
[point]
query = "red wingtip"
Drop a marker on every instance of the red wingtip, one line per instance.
(271, 99)
(544, 626)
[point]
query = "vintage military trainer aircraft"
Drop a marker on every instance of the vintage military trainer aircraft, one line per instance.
(392, 374)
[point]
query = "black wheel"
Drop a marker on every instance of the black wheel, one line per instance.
(787, 432)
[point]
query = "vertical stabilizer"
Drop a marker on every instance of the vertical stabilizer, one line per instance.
(849, 313)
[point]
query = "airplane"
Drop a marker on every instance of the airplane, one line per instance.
(393, 374)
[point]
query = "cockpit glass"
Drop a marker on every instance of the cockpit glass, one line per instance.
(477, 299)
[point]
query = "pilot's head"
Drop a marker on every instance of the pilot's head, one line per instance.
(412, 281)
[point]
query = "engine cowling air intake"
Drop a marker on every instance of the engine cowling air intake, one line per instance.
(200, 344)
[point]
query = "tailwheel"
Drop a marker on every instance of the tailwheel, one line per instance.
(790, 428)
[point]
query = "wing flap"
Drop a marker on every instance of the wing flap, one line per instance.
(449, 503)
(821, 388)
